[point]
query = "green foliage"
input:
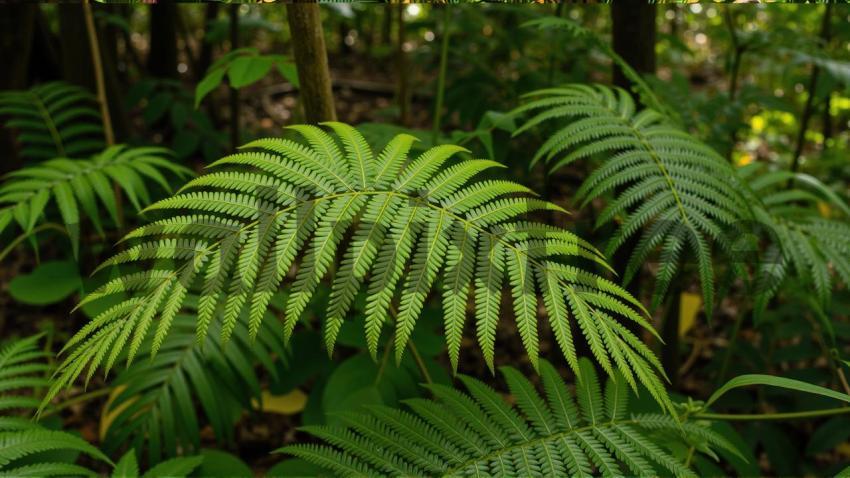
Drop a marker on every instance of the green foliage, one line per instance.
(48, 283)
(155, 400)
(801, 238)
(564, 434)
(26, 448)
(680, 192)
(243, 67)
(83, 185)
(181, 467)
(54, 120)
(236, 233)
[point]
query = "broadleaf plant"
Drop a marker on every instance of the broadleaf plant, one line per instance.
(399, 224)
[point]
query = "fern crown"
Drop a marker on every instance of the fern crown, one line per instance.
(234, 235)
(479, 434)
(674, 188)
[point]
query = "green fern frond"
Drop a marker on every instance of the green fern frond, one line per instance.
(24, 376)
(53, 120)
(79, 187)
(402, 228)
(802, 241)
(155, 400)
(561, 433)
(671, 190)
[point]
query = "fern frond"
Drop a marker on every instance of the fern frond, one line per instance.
(81, 186)
(24, 375)
(479, 433)
(154, 403)
(670, 190)
(431, 226)
(802, 241)
(53, 120)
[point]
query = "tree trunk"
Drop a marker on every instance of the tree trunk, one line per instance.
(633, 30)
(234, 93)
(162, 56)
(311, 59)
(77, 64)
(205, 57)
(16, 30)
(403, 80)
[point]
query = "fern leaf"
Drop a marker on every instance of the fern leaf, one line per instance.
(480, 433)
(420, 224)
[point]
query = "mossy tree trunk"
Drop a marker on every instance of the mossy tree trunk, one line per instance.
(311, 59)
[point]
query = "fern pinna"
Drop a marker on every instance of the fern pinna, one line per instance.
(76, 184)
(234, 235)
(27, 448)
(677, 189)
(53, 120)
(564, 434)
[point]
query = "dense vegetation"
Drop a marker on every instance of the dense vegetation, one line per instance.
(239, 240)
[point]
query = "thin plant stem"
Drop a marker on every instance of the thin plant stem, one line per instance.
(98, 74)
(441, 80)
(808, 107)
(108, 133)
(727, 357)
(12, 245)
(419, 362)
(81, 398)
(772, 416)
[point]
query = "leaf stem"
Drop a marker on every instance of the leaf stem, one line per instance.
(419, 362)
(12, 245)
(771, 416)
(83, 397)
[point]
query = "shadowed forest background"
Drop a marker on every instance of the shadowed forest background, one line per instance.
(681, 171)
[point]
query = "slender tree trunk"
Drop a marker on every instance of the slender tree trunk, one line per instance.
(77, 64)
(633, 38)
(234, 93)
(17, 25)
(808, 108)
(162, 57)
(311, 59)
(634, 31)
(403, 79)
(205, 57)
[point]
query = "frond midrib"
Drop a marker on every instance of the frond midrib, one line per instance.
(657, 160)
(51, 125)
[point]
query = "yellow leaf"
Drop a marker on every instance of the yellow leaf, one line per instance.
(289, 404)
(689, 305)
(824, 209)
(107, 416)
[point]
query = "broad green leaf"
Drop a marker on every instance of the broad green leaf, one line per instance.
(48, 283)
(247, 69)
